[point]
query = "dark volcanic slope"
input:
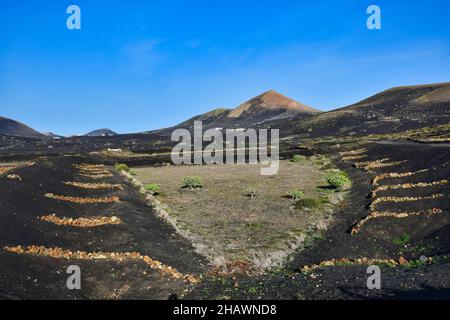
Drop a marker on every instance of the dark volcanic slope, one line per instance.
(22, 202)
(427, 234)
(394, 110)
(261, 110)
(14, 128)
(101, 133)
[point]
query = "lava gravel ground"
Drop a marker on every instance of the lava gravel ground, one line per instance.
(427, 236)
(41, 277)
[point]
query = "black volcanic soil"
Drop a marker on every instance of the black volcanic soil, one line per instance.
(375, 240)
(21, 203)
(38, 277)
(394, 110)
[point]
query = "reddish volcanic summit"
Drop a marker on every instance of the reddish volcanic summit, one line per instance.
(265, 110)
(271, 100)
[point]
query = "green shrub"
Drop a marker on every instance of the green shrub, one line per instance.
(298, 158)
(310, 203)
(339, 181)
(402, 240)
(122, 167)
(193, 182)
(153, 188)
(295, 194)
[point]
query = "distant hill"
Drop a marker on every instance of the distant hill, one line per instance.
(15, 128)
(393, 110)
(101, 133)
(51, 135)
(261, 110)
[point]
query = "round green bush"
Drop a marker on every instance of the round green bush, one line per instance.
(298, 158)
(193, 182)
(122, 167)
(153, 188)
(339, 181)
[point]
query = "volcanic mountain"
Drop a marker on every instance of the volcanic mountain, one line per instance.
(101, 133)
(393, 110)
(260, 111)
(14, 128)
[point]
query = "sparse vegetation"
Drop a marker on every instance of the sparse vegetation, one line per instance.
(122, 167)
(339, 181)
(192, 182)
(298, 158)
(295, 194)
(152, 188)
(310, 203)
(321, 160)
(401, 240)
(265, 229)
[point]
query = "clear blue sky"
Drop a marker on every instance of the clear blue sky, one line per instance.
(141, 65)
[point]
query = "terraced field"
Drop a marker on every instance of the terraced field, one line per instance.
(397, 216)
(66, 211)
(123, 250)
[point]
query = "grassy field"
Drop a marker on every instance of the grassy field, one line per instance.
(259, 230)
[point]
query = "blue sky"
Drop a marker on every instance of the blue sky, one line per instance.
(141, 65)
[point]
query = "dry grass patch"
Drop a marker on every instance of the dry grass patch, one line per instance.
(259, 230)
(83, 200)
(95, 186)
(59, 253)
(81, 222)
